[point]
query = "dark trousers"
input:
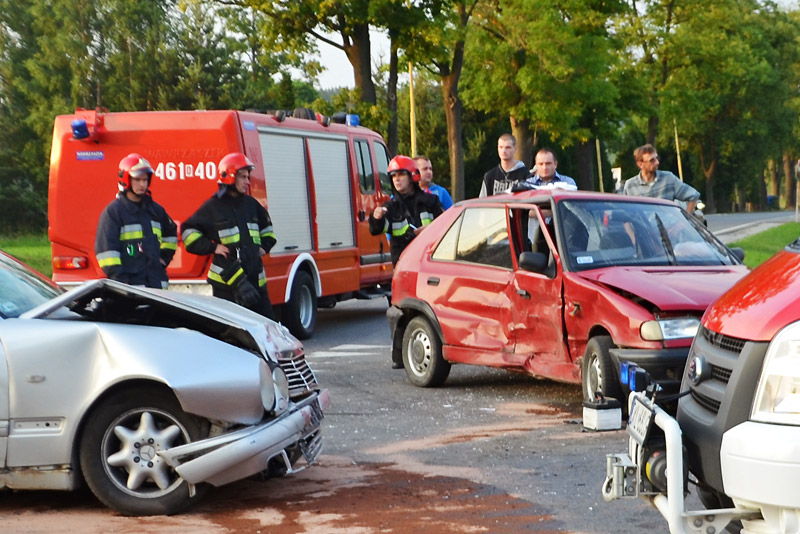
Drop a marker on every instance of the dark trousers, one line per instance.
(264, 306)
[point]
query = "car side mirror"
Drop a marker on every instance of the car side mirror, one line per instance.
(533, 261)
(738, 252)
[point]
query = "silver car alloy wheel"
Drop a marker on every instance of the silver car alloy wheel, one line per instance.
(130, 452)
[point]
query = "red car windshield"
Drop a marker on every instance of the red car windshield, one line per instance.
(602, 234)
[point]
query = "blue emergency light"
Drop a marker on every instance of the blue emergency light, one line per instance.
(633, 376)
(352, 119)
(80, 130)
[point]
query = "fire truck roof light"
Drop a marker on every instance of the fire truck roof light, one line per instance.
(352, 119)
(80, 130)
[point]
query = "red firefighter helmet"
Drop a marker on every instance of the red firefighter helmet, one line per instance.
(403, 163)
(133, 165)
(230, 164)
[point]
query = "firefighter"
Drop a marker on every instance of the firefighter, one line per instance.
(237, 230)
(408, 211)
(136, 238)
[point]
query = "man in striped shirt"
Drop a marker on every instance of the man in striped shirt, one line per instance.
(650, 182)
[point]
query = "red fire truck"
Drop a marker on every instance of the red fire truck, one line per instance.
(318, 178)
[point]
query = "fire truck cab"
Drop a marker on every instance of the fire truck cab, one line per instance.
(319, 180)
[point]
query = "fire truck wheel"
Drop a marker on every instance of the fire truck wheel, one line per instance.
(598, 374)
(422, 354)
(300, 313)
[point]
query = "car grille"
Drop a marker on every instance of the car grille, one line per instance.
(721, 341)
(706, 402)
(718, 345)
(301, 377)
(719, 402)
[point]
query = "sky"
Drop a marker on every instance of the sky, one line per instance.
(339, 72)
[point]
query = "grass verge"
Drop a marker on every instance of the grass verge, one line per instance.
(33, 249)
(759, 247)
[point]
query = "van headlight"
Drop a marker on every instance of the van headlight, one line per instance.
(675, 328)
(777, 397)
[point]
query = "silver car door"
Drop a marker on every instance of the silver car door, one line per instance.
(4, 417)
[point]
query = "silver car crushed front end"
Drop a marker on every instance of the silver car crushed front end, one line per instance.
(244, 376)
(247, 451)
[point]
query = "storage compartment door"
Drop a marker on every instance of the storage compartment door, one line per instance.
(332, 184)
(287, 191)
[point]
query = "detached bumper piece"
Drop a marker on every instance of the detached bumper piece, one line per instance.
(289, 438)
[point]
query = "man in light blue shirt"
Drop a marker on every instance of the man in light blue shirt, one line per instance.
(426, 181)
(545, 173)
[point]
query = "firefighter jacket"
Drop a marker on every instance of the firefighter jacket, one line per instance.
(241, 224)
(133, 239)
(404, 214)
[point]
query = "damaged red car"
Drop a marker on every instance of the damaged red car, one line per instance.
(558, 284)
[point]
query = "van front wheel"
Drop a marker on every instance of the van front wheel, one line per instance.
(300, 313)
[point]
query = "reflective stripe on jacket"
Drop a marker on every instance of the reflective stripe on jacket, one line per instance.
(133, 239)
(241, 224)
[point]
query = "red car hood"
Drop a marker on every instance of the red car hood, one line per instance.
(670, 288)
(762, 303)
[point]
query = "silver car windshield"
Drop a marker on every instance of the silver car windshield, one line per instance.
(21, 289)
(599, 234)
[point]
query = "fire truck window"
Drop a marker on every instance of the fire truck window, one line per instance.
(484, 238)
(382, 158)
(365, 176)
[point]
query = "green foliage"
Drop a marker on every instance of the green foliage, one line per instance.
(760, 247)
(725, 74)
(33, 249)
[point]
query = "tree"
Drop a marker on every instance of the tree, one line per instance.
(547, 64)
(438, 44)
(302, 22)
(726, 93)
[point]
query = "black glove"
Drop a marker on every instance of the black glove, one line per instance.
(245, 294)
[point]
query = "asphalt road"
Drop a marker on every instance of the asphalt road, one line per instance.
(509, 433)
(730, 227)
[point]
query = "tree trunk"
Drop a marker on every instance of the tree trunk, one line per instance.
(772, 179)
(763, 183)
(453, 108)
(788, 174)
(585, 158)
(391, 101)
(652, 130)
(358, 53)
(521, 129)
(790, 190)
(708, 172)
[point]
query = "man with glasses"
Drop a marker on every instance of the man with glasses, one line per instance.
(650, 182)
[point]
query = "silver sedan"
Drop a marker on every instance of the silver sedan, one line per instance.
(148, 396)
